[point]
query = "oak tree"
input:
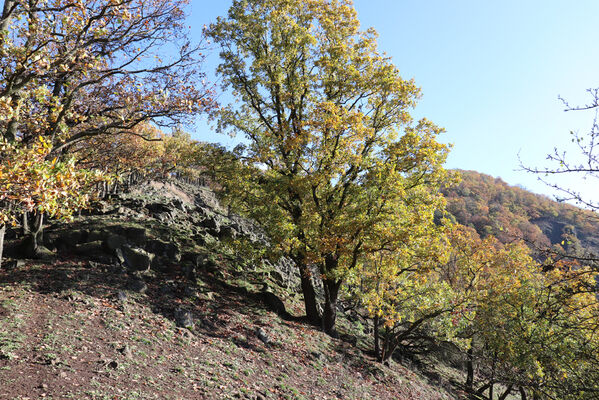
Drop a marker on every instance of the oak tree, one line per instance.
(321, 109)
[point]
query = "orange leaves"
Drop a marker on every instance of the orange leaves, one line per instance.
(30, 182)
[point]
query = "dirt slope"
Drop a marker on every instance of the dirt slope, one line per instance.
(86, 326)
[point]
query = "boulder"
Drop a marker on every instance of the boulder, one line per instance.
(13, 264)
(89, 248)
(169, 251)
(114, 242)
(261, 334)
(189, 271)
(74, 237)
(96, 235)
(119, 256)
(183, 318)
(121, 296)
(158, 208)
(137, 259)
(138, 286)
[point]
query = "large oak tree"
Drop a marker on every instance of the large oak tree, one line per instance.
(331, 149)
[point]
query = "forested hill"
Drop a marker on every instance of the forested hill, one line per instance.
(493, 207)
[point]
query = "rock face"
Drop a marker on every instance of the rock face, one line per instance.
(160, 226)
(273, 302)
(184, 207)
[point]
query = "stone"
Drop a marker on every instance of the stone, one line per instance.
(137, 259)
(89, 248)
(119, 256)
(261, 334)
(189, 272)
(95, 236)
(167, 290)
(183, 318)
(158, 208)
(277, 277)
(13, 264)
(318, 356)
(138, 236)
(206, 296)
(126, 351)
(273, 302)
(190, 292)
(138, 286)
(211, 223)
(114, 242)
(74, 237)
(121, 296)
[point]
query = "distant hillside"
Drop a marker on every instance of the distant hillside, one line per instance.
(493, 207)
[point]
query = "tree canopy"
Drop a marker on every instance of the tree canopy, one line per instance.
(323, 109)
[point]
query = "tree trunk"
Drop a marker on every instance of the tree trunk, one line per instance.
(12, 127)
(384, 351)
(377, 340)
(7, 13)
(470, 370)
(492, 382)
(34, 231)
(6, 16)
(2, 232)
(331, 293)
(308, 291)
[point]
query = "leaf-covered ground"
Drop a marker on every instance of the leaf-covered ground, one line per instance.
(65, 333)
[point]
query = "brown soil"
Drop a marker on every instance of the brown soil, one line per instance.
(64, 334)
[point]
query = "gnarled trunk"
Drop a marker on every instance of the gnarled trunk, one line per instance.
(331, 293)
(33, 229)
(6, 16)
(309, 293)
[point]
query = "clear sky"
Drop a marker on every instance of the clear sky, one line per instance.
(490, 73)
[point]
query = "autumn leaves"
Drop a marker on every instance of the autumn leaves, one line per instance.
(332, 166)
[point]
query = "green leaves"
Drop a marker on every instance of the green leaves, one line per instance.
(322, 109)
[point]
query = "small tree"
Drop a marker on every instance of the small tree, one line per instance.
(321, 108)
(405, 293)
(31, 183)
(525, 326)
(73, 70)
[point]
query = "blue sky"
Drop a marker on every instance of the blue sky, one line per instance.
(490, 73)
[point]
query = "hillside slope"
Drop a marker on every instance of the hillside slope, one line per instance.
(144, 300)
(493, 207)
